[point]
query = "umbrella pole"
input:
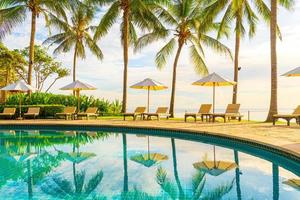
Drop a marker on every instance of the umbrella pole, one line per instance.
(148, 148)
(78, 100)
(214, 96)
(148, 99)
(214, 156)
(20, 106)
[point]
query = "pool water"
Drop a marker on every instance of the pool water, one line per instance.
(45, 164)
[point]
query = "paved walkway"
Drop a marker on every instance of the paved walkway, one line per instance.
(281, 137)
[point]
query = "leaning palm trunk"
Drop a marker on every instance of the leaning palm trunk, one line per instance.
(125, 53)
(172, 102)
(273, 30)
(181, 193)
(31, 46)
(236, 67)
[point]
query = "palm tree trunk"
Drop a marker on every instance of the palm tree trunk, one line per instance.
(172, 102)
(125, 185)
(237, 175)
(29, 175)
(273, 30)
(275, 173)
(74, 63)
(74, 66)
(181, 194)
(236, 66)
(31, 46)
(125, 53)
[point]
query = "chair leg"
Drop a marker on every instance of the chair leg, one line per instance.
(288, 122)
(274, 121)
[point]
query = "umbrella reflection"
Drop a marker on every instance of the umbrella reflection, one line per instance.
(215, 168)
(149, 159)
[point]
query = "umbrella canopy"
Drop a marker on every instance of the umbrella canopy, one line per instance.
(295, 183)
(77, 86)
(214, 80)
(76, 157)
(149, 84)
(148, 160)
(294, 72)
(215, 168)
(19, 86)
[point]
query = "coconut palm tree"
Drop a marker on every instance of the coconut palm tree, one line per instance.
(288, 4)
(135, 14)
(13, 13)
(197, 190)
(76, 34)
(188, 26)
(242, 13)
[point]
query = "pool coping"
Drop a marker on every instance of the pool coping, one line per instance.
(279, 149)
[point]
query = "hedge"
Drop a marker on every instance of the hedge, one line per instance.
(47, 99)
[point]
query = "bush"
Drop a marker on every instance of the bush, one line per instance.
(48, 99)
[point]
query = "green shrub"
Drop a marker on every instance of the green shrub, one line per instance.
(47, 99)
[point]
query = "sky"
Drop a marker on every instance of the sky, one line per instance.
(254, 77)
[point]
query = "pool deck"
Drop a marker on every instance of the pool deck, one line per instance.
(280, 137)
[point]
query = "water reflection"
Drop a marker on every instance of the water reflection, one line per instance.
(95, 165)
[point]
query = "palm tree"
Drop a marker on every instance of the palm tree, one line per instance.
(13, 13)
(135, 14)
(288, 4)
(242, 13)
(75, 34)
(197, 191)
(188, 25)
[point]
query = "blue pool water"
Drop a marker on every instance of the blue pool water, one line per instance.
(139, 164)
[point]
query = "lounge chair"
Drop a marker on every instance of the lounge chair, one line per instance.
(160, 112)
(32, 112)
(288, 118)
(138, 112)
(204, 110)
(8, 113)
(69, 112)
(232, 112)
(90, 112)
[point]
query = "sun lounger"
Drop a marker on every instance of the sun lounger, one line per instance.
(8, 113)
(204, 110)
(232, 111)
(90, 112)
(160, 112)
(32, 112)
(69, 113)
(138, 112)
(288, 118)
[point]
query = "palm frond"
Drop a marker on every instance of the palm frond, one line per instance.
(11, 17)
(162, 56)
(107, 20)
(150, 38)
(215, 45)
(93, 183)
(199, 64)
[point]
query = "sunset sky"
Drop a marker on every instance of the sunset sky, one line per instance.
(254, 88)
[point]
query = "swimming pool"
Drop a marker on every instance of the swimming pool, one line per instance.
(40, 162)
